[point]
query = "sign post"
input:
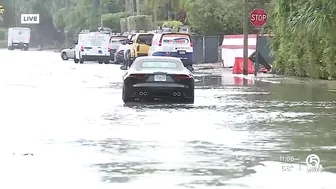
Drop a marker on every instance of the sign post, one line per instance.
(258, 18)
(245, 28)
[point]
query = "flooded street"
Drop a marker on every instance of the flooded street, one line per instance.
(237, 135)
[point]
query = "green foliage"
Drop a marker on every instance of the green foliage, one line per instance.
(123, 24)
(3, 34)
(160, 23)
(174, 24)
(141, 22)
(304, 43)
(3, 44)
(219, 17)
(59, 19)
(113, 20)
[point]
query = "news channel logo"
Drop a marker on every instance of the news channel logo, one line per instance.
(313, 163)
(30, 18)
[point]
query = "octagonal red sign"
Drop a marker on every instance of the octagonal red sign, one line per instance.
(258, 18)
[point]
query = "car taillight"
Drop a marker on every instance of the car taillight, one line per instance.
(82, 48)
(138, 48)
(138, 76)
(182, 77)
(191, 44)
(160, 43)
(109, 48)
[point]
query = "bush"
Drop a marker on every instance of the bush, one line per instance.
(3, 44)
(160, 23)
(3, 34)
(141, 22)
(173, 24)
(113, 20)
(123, 25)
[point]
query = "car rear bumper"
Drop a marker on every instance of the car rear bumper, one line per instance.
(95, 57)
(20, 45)
(150, 92)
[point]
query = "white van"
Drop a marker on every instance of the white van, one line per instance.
(92, 46)
(18, 38)
(177, 45)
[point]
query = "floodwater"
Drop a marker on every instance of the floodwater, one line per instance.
(64, 125)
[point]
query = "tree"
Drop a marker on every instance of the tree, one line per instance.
(304, 42)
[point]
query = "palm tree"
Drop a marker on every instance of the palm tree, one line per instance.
(314, 16)
(129, 6)
(174, 7)
(138, 7)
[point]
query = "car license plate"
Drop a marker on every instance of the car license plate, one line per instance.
(182, 52)
(160, 78)
(100, 52)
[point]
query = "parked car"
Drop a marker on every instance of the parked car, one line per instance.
(140, 44)
(115, 42)
(119, 55)
(68, 53)
(155, 78)
(177, 45)
(93, 46)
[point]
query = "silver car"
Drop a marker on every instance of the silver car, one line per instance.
(68, 53)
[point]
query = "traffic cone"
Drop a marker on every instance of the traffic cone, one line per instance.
(250, 67)
(238, 66)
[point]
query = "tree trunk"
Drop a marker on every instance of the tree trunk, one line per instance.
(138, 7)
(169, 9)
(127, 6)
(155, 9)
(131, 6)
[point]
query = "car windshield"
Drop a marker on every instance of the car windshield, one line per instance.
(159, 64)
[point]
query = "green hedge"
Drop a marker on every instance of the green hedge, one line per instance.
(3, 34)
(113, 20)
(3, 44)
(173, 24)
(123, 25)
(141, 22)
(160, 22)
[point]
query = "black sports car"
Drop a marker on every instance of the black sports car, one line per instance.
(154, 78)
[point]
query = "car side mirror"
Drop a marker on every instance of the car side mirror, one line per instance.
(123, 67)
(130, 42)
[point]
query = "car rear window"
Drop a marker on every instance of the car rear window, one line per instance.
(161, 64)
(117, 38)
(176, 39)
(145, 38)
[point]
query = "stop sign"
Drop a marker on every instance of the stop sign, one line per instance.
(258, 18)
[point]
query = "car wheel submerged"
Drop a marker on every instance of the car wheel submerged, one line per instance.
(125, 98)
(76, 60)
(64, 56)
(189, 100)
